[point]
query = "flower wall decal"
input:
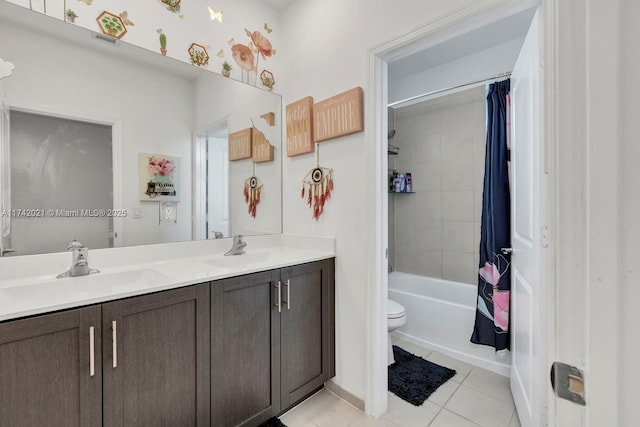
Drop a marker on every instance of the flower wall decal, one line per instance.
(248, 56)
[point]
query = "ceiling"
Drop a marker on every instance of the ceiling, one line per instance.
(278, 5)
(502, 31)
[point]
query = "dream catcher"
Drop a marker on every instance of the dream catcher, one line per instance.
(317, 186)
(252, 190)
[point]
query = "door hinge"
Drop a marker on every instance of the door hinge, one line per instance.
(544, 236)
(568, 382)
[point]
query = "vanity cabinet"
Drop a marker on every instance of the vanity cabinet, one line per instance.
(307, 330)
(140, 361)
(156, 359)
(232, 352)
(245, 350)
(272, 341)
(50, 370)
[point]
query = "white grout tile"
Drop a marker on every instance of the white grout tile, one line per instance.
(413, 348)
(462, 369)
(365, 421)
(487, 382)
(480, 408)
(407, 415)
(458, 205)
(457, 144)
(338, 414)
(458, 236)
(295, 418)
(457, 175)
(444, 393)
(317, 404)
(449, 419)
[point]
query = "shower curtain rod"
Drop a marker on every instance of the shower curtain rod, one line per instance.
(435, 92)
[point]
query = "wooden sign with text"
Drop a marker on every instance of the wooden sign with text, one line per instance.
(338, 116)
(240, 144)
(262, 151)
(300, 127)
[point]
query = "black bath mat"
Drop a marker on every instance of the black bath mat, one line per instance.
(414, 379)
(272, 422)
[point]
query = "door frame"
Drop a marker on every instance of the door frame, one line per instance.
(116, 153)
(479, 14)
(200, 177)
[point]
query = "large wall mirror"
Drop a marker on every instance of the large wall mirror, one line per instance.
(82, 118)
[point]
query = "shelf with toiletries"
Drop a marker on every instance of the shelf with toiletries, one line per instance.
(400, 182)
(402, 192)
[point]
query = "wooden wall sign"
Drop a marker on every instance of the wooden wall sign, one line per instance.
(338, 116)
(262, 150)
(240, 144)
(300, 127)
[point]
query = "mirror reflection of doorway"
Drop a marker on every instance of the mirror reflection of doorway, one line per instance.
(211, 181)
(60, 180)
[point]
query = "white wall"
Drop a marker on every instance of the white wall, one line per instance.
(437, 229)
(327, 52)
(629, 157)
(193, 25)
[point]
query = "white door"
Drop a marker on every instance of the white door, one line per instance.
(528, 342)
(218, 186)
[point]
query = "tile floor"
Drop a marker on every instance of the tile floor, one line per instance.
(473, 397)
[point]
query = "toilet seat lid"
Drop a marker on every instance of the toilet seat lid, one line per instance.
(394, 310)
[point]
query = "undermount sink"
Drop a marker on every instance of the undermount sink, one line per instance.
(121, 278)
(51, 291)
(238, 260)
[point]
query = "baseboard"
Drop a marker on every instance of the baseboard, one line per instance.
(344, 395)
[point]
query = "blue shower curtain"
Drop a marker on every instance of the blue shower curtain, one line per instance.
(494, 277)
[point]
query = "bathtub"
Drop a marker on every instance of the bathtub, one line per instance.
(440, 316)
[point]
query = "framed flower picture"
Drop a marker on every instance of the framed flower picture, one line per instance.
(159, 177)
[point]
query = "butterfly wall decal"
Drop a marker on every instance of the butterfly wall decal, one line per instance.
(215, 15)
(231, 41)
(125, 19)
(221, 53)
(266, 27)
(87, 2)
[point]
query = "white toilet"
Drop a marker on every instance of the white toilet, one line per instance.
(396, 317)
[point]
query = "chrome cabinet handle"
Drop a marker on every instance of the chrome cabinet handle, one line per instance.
(288, 285)
(92, 352)
(114, 343)
(279, 303)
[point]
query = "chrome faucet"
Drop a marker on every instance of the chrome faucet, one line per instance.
(80, 262)
(238, 246)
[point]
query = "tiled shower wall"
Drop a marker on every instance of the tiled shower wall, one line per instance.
(436, 231)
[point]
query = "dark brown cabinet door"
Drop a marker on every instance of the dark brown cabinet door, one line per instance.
(156, 359)
(47, 374)
(245, 350)
(307, 334)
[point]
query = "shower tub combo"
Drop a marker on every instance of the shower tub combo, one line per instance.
(440, 316)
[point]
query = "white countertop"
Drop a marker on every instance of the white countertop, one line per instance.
(28, 284)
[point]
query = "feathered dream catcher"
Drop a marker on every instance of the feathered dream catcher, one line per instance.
(317, 186)
(252, 190)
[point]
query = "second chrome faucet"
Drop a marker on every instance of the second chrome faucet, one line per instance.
(238, 246)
